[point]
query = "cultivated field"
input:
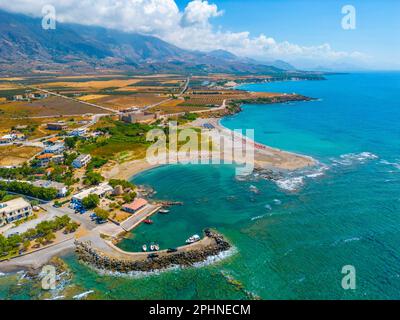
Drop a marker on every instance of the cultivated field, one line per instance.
(49, 107)
(14, 155)
(125, 102)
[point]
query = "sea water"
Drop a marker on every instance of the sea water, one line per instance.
(291, 237)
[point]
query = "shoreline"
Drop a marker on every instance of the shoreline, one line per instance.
(265, 158)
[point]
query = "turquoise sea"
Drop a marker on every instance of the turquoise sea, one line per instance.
(291, 237)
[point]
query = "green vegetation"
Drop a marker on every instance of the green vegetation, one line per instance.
(4, 196)
(187, 117)
(29, 190)
(20, 173)
(93, 178)
(42, 234)
(120, 137)
(91, 201)
(96, 163)
(124, 183)
(101, 214)
(70, 142)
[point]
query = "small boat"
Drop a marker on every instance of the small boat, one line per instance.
(152, 247)
(156, 247)
(148, 221)
(144, 248)
(163, 211)
(193, 239)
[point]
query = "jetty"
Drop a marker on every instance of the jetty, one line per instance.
(117, 260)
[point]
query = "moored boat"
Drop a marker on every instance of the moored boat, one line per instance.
(163, 211)
(144, 248)
(148, 221)
(193, 239)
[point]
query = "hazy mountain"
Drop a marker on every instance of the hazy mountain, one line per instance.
(25, 46)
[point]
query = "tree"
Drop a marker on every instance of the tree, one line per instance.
(71, 227)
(70, 142)
(101, 214)
(50, 237)
(91, 201)
(26, 244)
(93, 178)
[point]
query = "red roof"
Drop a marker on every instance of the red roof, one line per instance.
(137, 204)
(45, 156)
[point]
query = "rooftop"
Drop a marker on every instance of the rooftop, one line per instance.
(137, 204)
(48, 184)
(99, 190)
(14, 204)
(45, 156)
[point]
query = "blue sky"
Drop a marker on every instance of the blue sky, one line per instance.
(306, 33)
(311, 22)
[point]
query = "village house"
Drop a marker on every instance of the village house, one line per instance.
(82, 161)
(57, 148)
(101, 190)
(45, 159)
(78, 132)
(14, 210)
(60, 187)
(138, 117)
(57, 126)
(135, 206)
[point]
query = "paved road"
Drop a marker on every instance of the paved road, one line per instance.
(138, 217)
(51, 214)
(37, 259)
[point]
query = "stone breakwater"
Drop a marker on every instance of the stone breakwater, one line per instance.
(185, 256)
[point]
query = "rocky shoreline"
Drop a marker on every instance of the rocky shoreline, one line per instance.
(185, 256)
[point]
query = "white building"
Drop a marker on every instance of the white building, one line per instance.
(14, 210)
(78, 132)
(82, 160)
(101, 190)
(58, 148)
(60, 187)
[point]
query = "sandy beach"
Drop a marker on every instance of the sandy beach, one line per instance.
(264, 157)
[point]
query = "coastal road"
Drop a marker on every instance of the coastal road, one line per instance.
(38, 258)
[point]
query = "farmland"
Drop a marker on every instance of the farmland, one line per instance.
(118, 102)
(14, 155)
(49, 107)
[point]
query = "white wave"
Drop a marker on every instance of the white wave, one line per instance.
(277, 201)
(217, 258)
(396, 165)
(352, 239)
(350, 159)
(142, 274)
(56, 298)
(254, 189)
(290, 184)
(258, 217)
(82, 295)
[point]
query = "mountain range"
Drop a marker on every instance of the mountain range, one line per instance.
(25, 47)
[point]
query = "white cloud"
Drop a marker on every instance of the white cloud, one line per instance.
(199, 12)
(190, 29)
